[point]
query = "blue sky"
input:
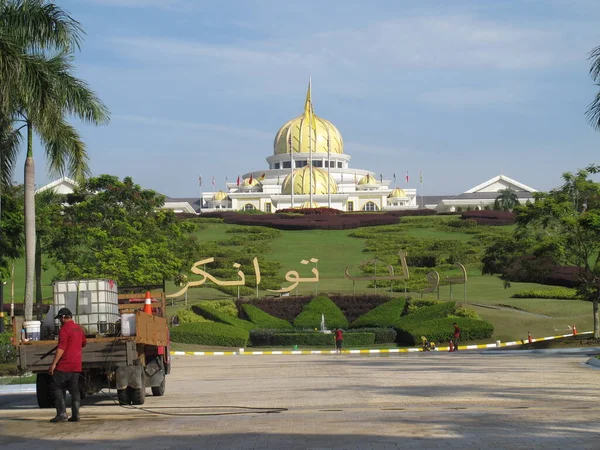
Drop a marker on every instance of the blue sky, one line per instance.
(463, 90)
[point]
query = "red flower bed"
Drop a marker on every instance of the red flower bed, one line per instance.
(490, 217)
(311, 221)
(413, 212)
(566, 276)
(311, 211)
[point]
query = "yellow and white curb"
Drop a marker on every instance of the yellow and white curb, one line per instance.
(498, 344)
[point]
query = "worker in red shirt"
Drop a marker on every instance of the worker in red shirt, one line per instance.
(66, 366)
(339, 338)
(455, 336)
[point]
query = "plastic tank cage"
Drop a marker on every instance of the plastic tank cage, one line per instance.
(94, 303)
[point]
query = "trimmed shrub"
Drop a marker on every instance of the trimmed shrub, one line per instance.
(562, 293)
(320, 339)
(466, 313)
(8, 353)
(382, 335)
(310, 317)
(438, 311)
(189, 316)
(416, 303)
(264, 320)
(225, 306)
(210, 333)
(441, 330)
(218, 316)
(385, 315)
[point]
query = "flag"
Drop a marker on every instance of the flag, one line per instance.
(200, 181)
(381, 178)
(238, 180)
(214, 182)
(421, 176)
(394, 177)
(407, 176)
(262, 177)
(355, 179)
(251, 179)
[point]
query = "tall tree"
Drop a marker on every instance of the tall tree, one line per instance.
(47, 35)
(593, 111)
(507, 200)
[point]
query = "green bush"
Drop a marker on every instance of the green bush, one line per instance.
(225, 306)
(382, 335)
(466, 313)
(441, 331)
(264, 320)
(218, 316)
(559, 292)
(320, 339)
(384, 315)
(417, 303)
(462, 223)
(310, 317)
(210, 333)
(437, 311)
(7, 351)
(189, 316)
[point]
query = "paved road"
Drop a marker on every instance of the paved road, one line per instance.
(436, 400)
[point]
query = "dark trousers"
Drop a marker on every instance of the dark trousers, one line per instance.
(338, 345)
(61, 381)
(455, 342)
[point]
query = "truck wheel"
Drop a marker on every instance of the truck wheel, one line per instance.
(159, 391)
(43, 391)
(138, 395)
(123, 396)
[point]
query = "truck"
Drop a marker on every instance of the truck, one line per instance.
(128, 356)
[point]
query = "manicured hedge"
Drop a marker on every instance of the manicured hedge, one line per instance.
(563, 293)
(310, 317)
(225, 306)
(263, 320)
(210, 333)
(385, 315)
(439, 311)
(441, 331)
(218, 316)
(321, 339)
(189, 316)
(382, 335)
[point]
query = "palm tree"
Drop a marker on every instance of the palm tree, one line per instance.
(507, 200)
(45, 36)
(593, 111)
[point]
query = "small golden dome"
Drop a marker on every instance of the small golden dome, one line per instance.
(397, 193)
(367, 179)
(250, 182)
(307, 133)
(302, 182)
(219, 196)
(307, 205)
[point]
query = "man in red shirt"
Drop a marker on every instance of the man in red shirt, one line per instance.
(339, 338)
(456, 336)
(66, 366)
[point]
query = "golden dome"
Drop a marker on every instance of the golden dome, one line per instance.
(307, 133)
(307, 205)
(397, 193)
(367, 179)
(219, 196)
(302, 182)
(250, 182)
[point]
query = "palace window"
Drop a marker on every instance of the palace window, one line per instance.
(301, 163)
(370, 206)
(249, 207)
(339, 164)
(277, 165)
(317, 163)
(350, 206)
(268, 207)
(286, 164)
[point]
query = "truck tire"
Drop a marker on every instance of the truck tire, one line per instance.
(123, 396)
(159, 391)
(43, 391)
(138, 395)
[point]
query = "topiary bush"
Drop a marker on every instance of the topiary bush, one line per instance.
(441, 330)
(263, 320)
(310, 317)
(218, 316)
(320, 339)
(225, 306)
(437, 311)
(189, 316)
(210, 333)
(385, 315)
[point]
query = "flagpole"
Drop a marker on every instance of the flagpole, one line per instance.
(200, 183)
(292, 161)
(421, 180)
(310, 149)
(328, 167)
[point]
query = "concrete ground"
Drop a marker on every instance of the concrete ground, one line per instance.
(425, 400)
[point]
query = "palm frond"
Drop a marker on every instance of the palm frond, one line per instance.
(10, 142)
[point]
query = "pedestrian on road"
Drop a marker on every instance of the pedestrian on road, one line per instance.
(66, 366)
(339, 339)
(456, 336)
